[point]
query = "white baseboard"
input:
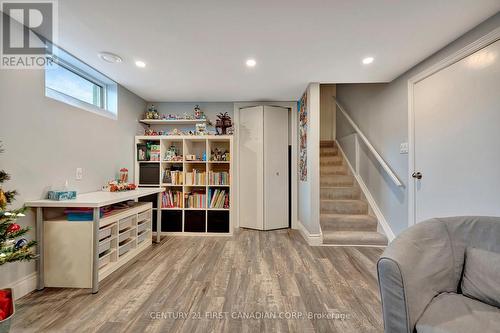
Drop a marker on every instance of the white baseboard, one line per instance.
(311, 239)
(373, 205)
(23, 286)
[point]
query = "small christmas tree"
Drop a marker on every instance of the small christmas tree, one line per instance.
(12, 246)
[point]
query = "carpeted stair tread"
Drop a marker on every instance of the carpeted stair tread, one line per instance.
(336, 180)
(345, 206)
(343, 222)
(340, 192)
(354, 238)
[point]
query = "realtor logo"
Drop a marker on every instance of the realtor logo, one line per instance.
(28, 31)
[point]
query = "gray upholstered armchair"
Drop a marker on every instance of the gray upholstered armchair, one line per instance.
(443, 275)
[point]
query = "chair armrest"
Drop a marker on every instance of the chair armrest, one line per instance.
(414, 268)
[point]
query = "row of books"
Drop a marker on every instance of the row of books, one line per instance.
(196, 177)
(218, 178)
(218, 198)
(173, 177)
(172, 199)
(195, 199)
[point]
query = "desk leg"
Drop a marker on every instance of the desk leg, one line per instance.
(158, 217)
(95, 252)
(40, 284)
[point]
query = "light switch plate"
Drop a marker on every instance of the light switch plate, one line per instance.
(403, 148)
(79, 173)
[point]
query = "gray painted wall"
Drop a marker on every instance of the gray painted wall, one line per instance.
(381, 112)
(46, 140)
(308, 191)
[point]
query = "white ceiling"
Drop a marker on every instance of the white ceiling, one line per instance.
(196, 50)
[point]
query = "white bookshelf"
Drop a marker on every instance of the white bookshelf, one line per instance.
(178, 220)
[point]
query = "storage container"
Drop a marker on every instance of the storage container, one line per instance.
(126, 235)
(142, 237)
(104, 245)
(125, 248)
(105, 259)
(126, 223)
(143, 226)
(144, 216)
(105, 232)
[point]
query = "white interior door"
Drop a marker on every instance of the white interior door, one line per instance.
(251, 163)
(275, 167)
(457, 136)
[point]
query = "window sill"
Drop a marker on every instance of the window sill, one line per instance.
(79, 104)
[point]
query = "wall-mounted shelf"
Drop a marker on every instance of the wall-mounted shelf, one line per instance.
(172, 121)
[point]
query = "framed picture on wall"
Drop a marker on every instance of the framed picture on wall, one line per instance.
(303, 137)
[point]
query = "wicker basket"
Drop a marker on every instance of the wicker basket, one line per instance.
(5, 324)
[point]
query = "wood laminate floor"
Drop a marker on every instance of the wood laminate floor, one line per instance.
(252, 282)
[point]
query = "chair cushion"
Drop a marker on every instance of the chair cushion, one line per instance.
(455, 313)
(481, 279)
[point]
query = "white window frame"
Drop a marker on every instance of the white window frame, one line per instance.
(108, 97)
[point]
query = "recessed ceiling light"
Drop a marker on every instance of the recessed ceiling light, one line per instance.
(140, 64)
(110, 57)
(368, 60)
(251, 63)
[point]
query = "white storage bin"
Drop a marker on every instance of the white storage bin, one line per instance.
(126, 223)
(125, 248)
(125, 235)
(142, 237)
(105, 232)
(143, 226)
(104, 245)
(105, 259)
(144, 216)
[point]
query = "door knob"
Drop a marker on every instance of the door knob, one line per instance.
(417, 175)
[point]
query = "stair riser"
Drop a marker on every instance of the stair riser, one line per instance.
(327, 144)
(343, 207)
(350, 226)
(340, 193)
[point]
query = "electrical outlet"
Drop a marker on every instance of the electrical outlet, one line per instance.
(79, 173)
(403, 148)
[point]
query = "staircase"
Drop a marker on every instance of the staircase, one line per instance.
(344, 216)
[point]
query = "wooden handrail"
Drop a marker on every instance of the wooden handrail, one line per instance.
(379, 158)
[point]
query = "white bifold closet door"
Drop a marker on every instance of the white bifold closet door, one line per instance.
(263, 167)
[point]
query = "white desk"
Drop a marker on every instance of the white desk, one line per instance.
(94, 200)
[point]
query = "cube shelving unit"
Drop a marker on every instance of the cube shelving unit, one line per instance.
(183, 220)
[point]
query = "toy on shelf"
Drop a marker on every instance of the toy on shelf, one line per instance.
(201, 129)
(123, 175)
(172, 154)
(154, 152)
(117, 186)
(223, 123)
(198, 114)
(152, 113)
(219, 155)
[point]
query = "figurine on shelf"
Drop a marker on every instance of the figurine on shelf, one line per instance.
(198, 114)
(149, 131)
(223, 123)
(171, 153)
(152, 113)
(176, 132)
(201, 129)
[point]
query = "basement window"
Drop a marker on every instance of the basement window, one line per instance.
(71, 81)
